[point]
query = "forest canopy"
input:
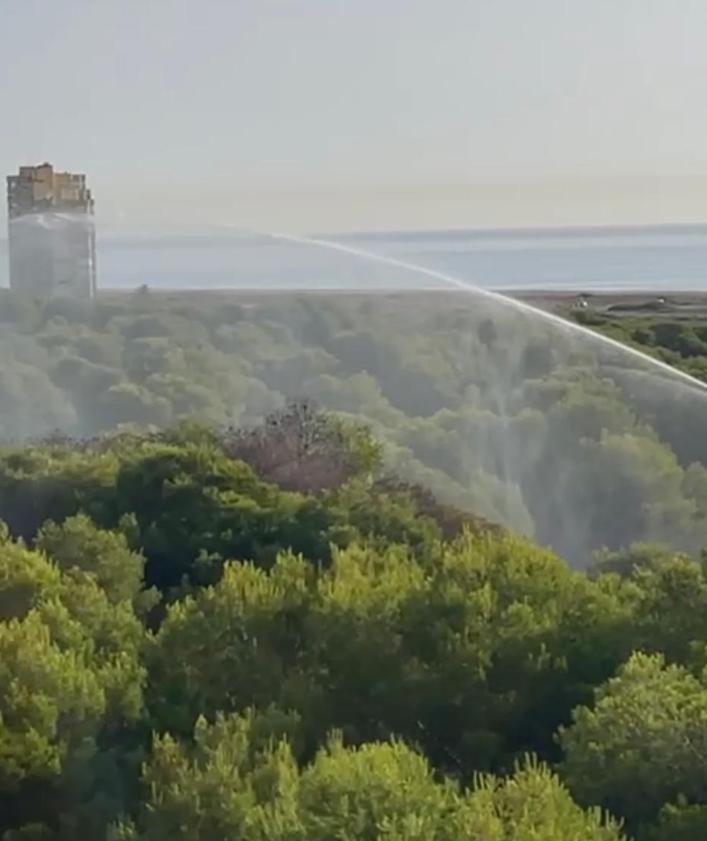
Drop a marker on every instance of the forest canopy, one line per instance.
(230, 614)
(502, 414)
(191, 651)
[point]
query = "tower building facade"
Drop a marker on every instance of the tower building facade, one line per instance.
(52, 237)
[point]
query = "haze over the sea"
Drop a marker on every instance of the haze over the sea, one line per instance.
(651, 259)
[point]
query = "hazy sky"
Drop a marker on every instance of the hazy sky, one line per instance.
(339, 114)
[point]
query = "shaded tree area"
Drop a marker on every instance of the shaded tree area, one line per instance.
(500, 413)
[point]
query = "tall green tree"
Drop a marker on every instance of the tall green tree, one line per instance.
(644, 742)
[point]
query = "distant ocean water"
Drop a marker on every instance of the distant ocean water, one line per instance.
(598, 259)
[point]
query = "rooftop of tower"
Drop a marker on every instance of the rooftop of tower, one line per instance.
(39, 189)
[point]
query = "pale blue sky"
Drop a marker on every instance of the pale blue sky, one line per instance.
(336, 114)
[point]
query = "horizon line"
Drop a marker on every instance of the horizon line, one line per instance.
(460, 230)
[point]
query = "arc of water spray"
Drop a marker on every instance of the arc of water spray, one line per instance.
(451, 280)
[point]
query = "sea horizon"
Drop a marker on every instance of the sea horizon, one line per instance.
(621, 258)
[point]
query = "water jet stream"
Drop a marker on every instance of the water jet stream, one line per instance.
(521, 306)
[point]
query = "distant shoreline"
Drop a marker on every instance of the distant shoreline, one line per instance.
(668, 303)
